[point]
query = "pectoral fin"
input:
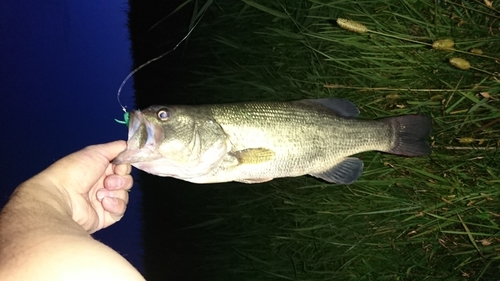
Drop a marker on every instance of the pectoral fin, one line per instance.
(253, 155)
(346, 172)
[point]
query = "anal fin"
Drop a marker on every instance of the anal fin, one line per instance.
(345, 172)
(254, 180)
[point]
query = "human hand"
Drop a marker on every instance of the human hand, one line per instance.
(39, 237)
(95, 190)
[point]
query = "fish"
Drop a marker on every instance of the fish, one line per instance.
(254, 142)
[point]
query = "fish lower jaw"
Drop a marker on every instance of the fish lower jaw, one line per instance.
(164, 168)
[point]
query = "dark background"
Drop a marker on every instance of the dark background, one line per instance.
(61, 63)
(173, 249)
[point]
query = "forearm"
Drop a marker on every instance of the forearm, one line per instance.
(39, 240)
(34, 211)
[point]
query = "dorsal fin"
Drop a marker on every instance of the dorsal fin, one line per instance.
(340, 107)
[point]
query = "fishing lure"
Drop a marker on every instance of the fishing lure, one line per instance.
(126, 115)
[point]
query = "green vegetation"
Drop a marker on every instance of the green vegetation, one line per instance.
(426, 218)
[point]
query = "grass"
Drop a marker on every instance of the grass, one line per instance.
(426, 218)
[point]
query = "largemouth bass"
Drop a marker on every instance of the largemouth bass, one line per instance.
(257, 141)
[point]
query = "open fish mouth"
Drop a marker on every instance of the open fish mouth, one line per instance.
(143, 139)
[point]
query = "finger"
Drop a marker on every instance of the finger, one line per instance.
(116, 182)
(115, 207)
(117, 194)
(93, 160)
(109, 150)
(123, 169)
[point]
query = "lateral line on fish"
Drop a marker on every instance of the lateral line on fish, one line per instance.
(124, 108)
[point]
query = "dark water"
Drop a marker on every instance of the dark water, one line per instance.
(61, 64)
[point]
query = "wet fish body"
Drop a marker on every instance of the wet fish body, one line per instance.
(258, 141)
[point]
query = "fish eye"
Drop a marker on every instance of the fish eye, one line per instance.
(163, 114)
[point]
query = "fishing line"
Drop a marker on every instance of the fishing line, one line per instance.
(124, 108)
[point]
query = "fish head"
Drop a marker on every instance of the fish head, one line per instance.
(174, 141)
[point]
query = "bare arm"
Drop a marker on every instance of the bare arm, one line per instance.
(45, 227)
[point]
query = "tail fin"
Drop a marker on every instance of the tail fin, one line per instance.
(412, 133)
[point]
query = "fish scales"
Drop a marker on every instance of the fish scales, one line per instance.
(301, 138)
(258, 141)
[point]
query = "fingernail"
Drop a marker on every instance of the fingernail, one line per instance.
(105, 193)
(112, 200)
(117, 181)
(101, 194)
